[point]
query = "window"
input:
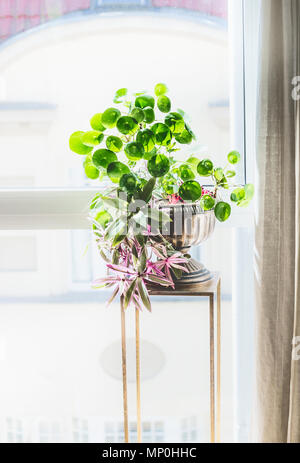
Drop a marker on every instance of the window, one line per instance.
(54, 328)
(152, 432)
(14, 431)
(80, 430)
(189, 429)
(49, 432)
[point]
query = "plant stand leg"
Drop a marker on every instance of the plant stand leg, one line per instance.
(138, 375)
(124, 371)
(219, 362)
(212, 368)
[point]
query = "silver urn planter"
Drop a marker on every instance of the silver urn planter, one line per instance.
(189, 226)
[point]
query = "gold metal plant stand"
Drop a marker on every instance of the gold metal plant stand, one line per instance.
(210, 290)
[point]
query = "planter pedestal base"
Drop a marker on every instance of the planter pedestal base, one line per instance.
(196, 273)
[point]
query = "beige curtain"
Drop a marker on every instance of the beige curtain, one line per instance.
(277, 399)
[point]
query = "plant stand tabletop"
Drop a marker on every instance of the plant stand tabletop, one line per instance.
(212, 290)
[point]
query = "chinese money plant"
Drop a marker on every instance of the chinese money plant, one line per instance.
(131, 148)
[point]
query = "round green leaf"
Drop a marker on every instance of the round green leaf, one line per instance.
(138, 114)
(222, 211)
(185, 137)
(175, 122)
(238, 195)
(128, 182)
(160, 89)
(114, 143)
(92, 138)
(96, 123)
(207, 202)
(161, 133)
(103, 157)
(121, 92)
(230, 173)
(234, 157)
(134, 151)
(103, 218)
(147, 139)
(91, 171)
(190, 190)
(205, 168)
(149, 115)
(164, 104)
(127, 125)
(186, 172)
(219, 174)
(109, 117)
(76, 144)
(116, 170)
(158, 165)
(144, 100)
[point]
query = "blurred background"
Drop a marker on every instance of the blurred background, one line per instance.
(60, 62)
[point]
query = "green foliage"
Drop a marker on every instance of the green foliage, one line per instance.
(119, 95)
(103, 157)
(164, 104)
(134, 147)
(147, 139)
(147, 191)
(158, 165)
(76, 145)
(115, 170)
(234, 157)
(185, 137)
(205, 168)
(126, 125)
(91, 171)
(92, 138)
(175, 123)
(138, 114)
(222, 211)
(237, 195)
(96, 123)
(186, 172)
(144, 100)
(149, 115)
(190, 190)
(230, 173)
(134, 150)
(207, 202)
(114, 144)
(219, 174)
(161, 133)
(128, 182)
(109, 117)
(160, 89)
(103, 218)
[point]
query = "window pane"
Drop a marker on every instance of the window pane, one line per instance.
(55, 78)
(60, 351)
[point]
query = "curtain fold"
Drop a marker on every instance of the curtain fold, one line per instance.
(277, 398)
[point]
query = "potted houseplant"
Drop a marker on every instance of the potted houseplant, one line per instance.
(152, 207)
